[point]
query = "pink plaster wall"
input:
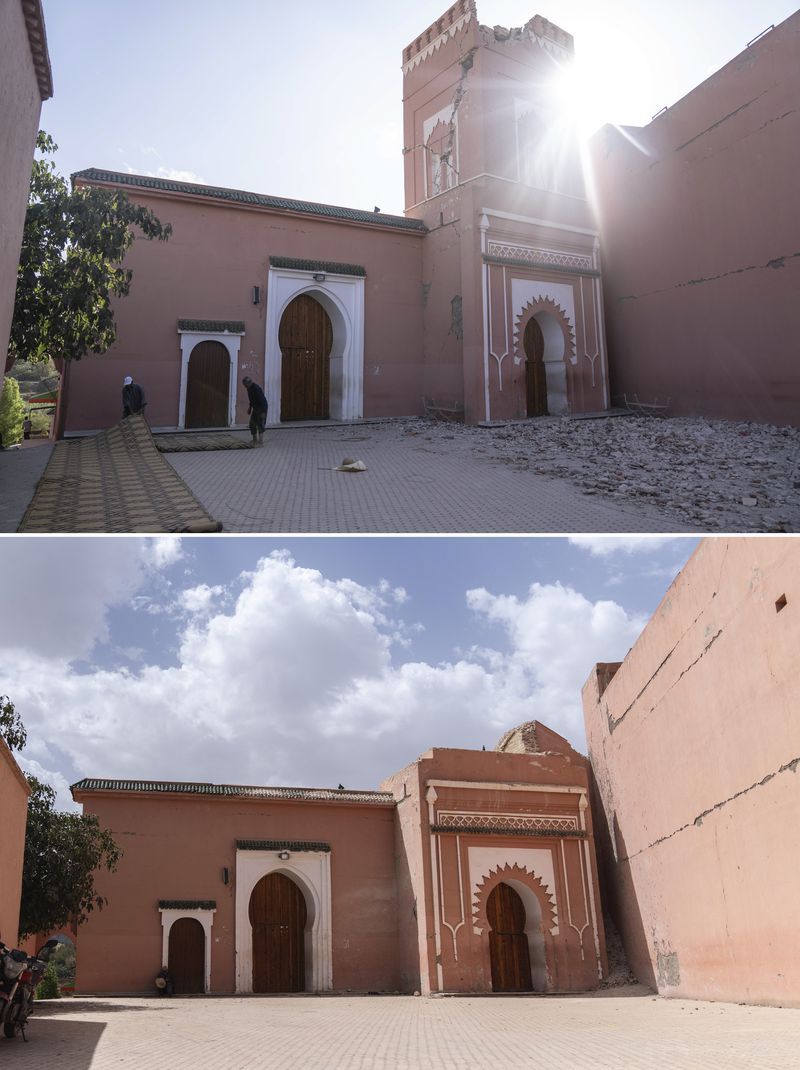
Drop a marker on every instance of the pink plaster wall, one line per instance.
(19, 122)
(701, 240)
(175, 848)
(14, 793)
(695, 744)
(216, 255)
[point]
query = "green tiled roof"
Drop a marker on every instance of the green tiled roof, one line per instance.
(280, 845)
(187, 904)
(330, 267)
(507, 830)
(212, 326)
(257, 200)
(239, 791)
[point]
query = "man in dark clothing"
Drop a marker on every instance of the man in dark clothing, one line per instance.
(132, 397)
(257, 411)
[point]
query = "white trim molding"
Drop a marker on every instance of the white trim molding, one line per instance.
(190, 339)
(311, 872)
(205, 915)
(342, 297)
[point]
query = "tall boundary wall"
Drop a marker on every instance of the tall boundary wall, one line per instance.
(694, 741)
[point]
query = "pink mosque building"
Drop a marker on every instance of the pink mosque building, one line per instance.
(485, 297)
(469, 871)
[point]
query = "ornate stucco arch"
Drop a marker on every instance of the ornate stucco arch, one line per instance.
(310, 871)
(538, 309)
(559, 348)
(522, 879)
(342, 297)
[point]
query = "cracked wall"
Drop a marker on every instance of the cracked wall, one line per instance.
(701, 242)
(695, 749)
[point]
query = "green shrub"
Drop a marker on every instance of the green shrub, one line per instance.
(12, 412)
(48, 986)
(41, 423)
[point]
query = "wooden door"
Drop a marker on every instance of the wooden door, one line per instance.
(187, 955)
(305, 337)
(535, 375)
(207, 385)
(508, 943)
(278, 917)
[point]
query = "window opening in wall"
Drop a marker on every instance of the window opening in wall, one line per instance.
(780, 604)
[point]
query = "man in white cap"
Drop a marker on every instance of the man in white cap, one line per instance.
(132, 397)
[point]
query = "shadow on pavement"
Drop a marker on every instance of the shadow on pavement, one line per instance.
(67, 1045)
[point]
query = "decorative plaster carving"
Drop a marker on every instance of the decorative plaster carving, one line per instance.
(513, 872)
(485, 865)
(538, 255)
(438, 34)
(543, 303)
(536, 822)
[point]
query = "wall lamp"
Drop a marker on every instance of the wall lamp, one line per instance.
(226, 876)
(319, 276)
(284, 856)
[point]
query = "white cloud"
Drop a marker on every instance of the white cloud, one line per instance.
(161, 551)
(605, 545)
(176, 175)
(199, 599)
(56, 780)
(294, 683)
(56, 593)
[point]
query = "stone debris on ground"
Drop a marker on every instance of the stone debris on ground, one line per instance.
(713, 475)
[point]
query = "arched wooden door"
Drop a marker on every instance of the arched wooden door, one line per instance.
(305, 337)
(207, 385)
(508, 942)
(187, 955)
(278, 916)
(535, 375)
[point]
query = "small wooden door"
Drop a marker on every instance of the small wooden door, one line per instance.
(535, 375)
(207, 384)
(305, 337)
(278, 917)
(508, 943)
(187, 955)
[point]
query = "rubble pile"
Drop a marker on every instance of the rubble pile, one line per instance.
(710, 475)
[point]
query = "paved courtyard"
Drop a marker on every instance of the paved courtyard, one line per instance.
(554, 474)
(627, 1029)
(420, 477)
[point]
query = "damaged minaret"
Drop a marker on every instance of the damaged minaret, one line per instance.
(513, 318)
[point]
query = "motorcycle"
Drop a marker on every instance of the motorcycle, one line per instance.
(20, 973)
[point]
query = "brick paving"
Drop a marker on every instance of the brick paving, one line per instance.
(417, 480)
(626, 1029)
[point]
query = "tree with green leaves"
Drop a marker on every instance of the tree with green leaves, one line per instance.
(62, 854)
(12, 413)
(62, 851)
(11, 727)
(70, 268)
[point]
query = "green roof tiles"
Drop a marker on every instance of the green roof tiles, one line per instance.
(256, 200)
(212, 326)
(280, 845)
(239, 791)
(330, 267)
(187, 904)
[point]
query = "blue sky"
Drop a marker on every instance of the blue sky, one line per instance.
(304, 100)
(307, 661)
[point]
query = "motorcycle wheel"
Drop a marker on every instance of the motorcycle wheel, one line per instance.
(14, 1027)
